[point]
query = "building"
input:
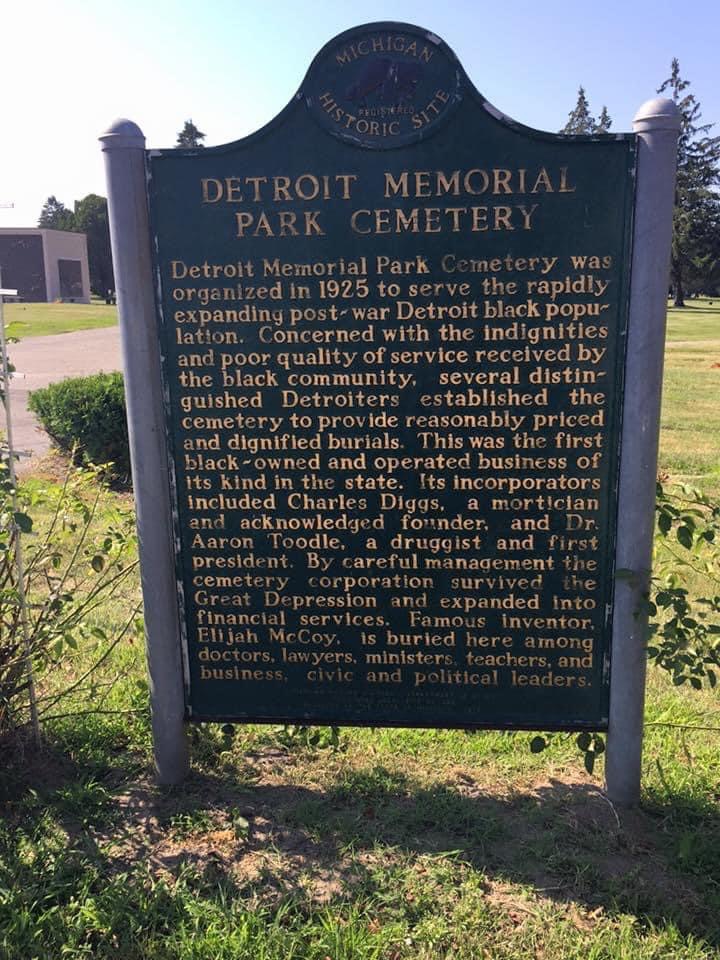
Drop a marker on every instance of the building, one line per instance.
(45, 265)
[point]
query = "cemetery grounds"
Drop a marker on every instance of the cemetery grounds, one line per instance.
(384, 844)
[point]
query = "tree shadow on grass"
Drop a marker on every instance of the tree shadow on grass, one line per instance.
(561, 839)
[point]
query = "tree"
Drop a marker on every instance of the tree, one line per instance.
(56, 216)
(91, 218)
(696, 217)
(604, 121)
(581, 121)
(190, 136)
(579, 118)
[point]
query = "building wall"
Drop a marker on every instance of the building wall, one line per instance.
(23, 264)
(33, 259)
(63, 245)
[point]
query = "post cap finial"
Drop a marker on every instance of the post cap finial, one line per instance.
(657, 114)
(122, 134)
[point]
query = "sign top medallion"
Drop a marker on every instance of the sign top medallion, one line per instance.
(383, 85)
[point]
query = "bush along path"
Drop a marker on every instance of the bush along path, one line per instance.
(43, 360)
(86, 416)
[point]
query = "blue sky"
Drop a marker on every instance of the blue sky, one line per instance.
(69, 67)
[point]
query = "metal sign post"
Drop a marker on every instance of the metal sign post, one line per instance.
(657, 125)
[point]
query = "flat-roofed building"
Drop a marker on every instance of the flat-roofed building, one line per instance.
(45, 265)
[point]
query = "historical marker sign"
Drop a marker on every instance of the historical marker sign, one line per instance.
(392, 326)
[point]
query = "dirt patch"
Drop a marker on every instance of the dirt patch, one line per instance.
(218, 845)
(51, 466)
(551, 841)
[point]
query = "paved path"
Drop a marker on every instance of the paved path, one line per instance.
(39, 361)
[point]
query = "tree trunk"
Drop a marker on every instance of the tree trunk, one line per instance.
(677, 279)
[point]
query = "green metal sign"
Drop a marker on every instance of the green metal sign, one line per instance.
(392, 326)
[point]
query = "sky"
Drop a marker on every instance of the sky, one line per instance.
(68, 68)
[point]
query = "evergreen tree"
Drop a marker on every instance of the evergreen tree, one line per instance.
(604, 121)
(56, 216)
(696, 218)
(190, 136)
(581, 121)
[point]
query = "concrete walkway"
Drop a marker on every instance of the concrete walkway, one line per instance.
(39, 361)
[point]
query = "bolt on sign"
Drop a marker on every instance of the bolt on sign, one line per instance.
(392, 326)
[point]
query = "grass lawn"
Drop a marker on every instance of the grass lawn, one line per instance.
(396, 845)
(25, 320)
(690, 420)
(388, 845)
(697, 320)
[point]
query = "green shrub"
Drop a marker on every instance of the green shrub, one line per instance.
(685, 591)
(87, 414)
